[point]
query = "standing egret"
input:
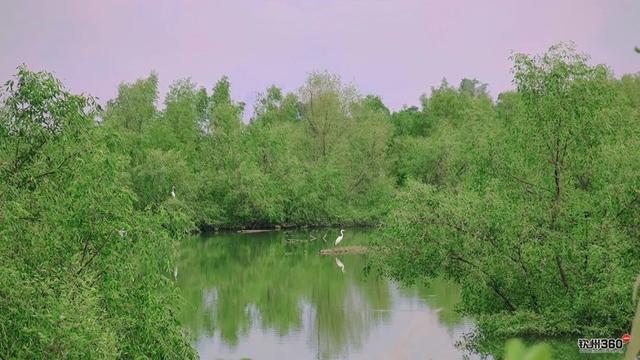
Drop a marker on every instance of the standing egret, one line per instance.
(122, 232)
(173, 192)
(340, 264)
(339, 237)
(175, 273)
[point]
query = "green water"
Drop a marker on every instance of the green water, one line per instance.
(272, 296)
(256, 296)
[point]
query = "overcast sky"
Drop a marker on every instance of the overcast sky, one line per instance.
(397, 49)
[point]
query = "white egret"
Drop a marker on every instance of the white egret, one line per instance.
(173, 192)
(340, 237)
(175, 273)
(340, 264)
(122, 232)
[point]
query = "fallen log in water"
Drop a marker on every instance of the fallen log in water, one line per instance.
(296, 241)
(345, 250)
(254, 231)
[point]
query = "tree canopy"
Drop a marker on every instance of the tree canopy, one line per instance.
(530, 202)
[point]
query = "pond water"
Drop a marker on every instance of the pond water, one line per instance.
(272, 296)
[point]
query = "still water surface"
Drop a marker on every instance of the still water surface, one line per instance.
(272, 296)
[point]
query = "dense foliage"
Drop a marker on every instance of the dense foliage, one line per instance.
(531, 202)
(84, 272)
(315, 157)
(93, 203)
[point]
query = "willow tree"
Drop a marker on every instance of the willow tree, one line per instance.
(82, 267)
(562, 97)
(325, 110)
(135, 105)
(535, 229)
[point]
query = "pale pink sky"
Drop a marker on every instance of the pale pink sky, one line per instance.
(397, 49)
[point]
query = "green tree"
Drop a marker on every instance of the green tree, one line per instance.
(135, 105)
(543, 203)
(83, 269)
(325, 109)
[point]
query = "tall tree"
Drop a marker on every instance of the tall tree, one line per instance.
(135, 105)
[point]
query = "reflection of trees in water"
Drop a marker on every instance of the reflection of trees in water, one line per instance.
(342, 323)
(438, 294)
(235, 282)
(241, 274)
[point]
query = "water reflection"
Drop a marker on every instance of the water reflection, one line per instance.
(340, 264)
(259, 296)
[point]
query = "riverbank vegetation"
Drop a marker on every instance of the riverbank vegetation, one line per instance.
(537, 213)
(530, 201)
(316, 157)
(84, 268)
